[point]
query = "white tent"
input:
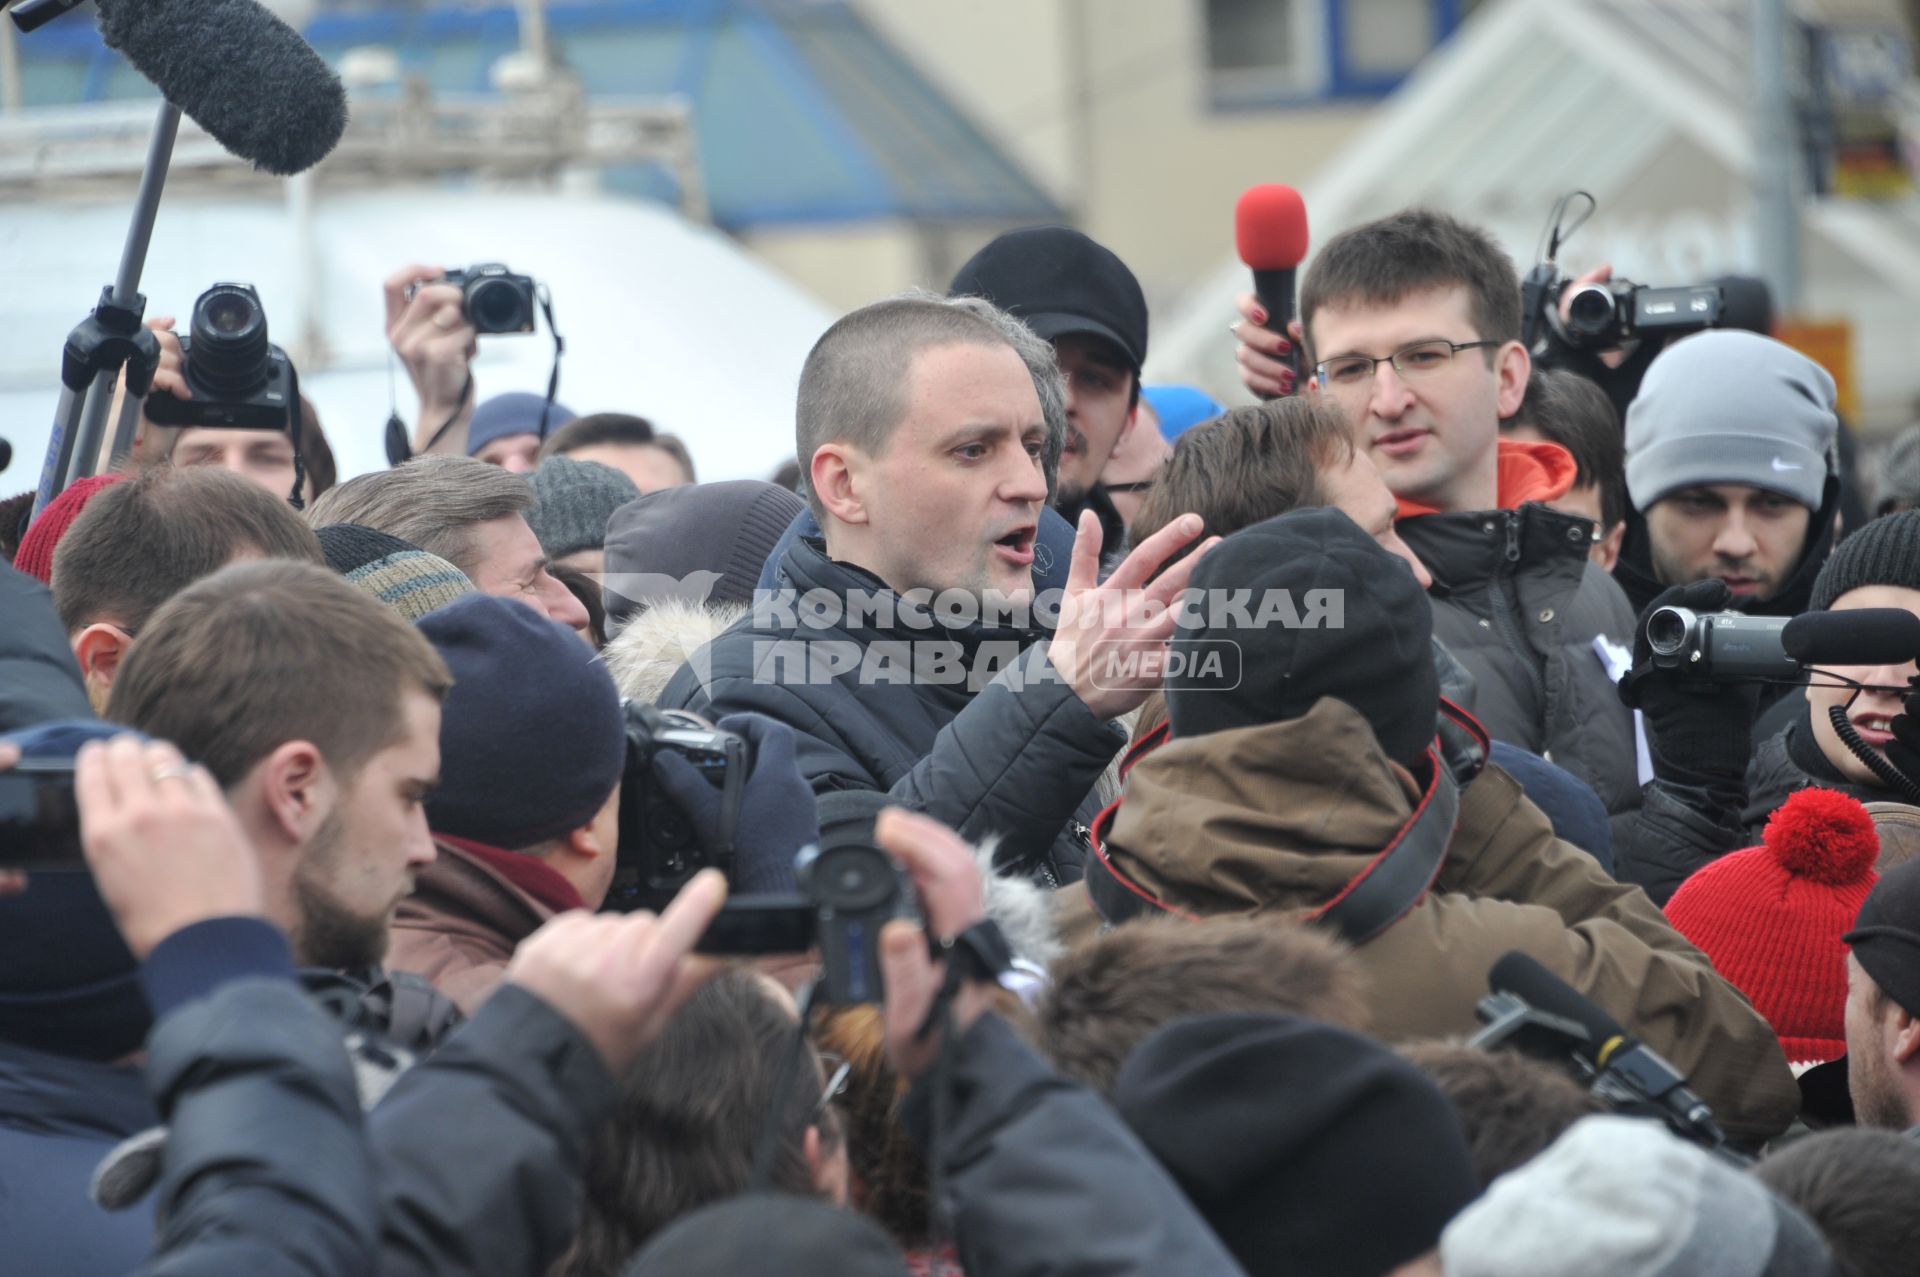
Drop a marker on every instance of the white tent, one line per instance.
(662, 317)
(1642, 103)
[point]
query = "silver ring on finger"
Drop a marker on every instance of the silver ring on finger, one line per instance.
(172, 771)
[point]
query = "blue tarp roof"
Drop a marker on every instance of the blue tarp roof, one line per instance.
(804, 113)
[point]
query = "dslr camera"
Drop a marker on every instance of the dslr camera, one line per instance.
(1721, 647)
(659, 846)
(239, 379)
(492, 298)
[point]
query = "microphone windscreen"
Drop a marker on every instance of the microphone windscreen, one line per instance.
(1519, 974)
(1270, 227)
(242, 74)
(1860, 636)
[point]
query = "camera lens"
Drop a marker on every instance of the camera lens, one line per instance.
(495, 306)
(1667, 630)
(1590, 310)
(853, 879)
(230, 354)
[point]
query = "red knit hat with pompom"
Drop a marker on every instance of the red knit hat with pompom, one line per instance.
(1771, 917)
(35, 553)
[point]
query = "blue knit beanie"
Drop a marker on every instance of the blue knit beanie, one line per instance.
(515, 413)
(532, 738)
(68, 984)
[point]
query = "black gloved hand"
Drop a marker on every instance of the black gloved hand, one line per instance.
(1699, 733)
(777, 813)
(1903, 751)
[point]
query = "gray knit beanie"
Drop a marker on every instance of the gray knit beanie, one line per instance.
(1731, 407)
(1621, 1197)
(573, 501)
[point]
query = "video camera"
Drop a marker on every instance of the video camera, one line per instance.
(1609, 314)
(849, 889)
(492, 298)
(1717, 648)
(239, 379)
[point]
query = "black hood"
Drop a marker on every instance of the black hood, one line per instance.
(1634, 571)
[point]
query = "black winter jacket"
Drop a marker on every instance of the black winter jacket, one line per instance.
(58, 1117)
(1517, 602)
(1042, 1177)
(38, 680)
(266, 1161)
(1683, 828)
(996, 761)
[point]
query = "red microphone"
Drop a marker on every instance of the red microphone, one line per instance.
(1270, 231)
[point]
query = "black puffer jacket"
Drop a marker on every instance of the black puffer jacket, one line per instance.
(1516, 601)
(1683, 828)
(1017, 764)
(266, 1162)
(38, 680)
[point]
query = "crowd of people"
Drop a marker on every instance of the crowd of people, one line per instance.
(464, 867)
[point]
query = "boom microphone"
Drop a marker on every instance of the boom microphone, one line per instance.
(242, 74)
(1624, 1069)
(1860, 636)
(1270, 232)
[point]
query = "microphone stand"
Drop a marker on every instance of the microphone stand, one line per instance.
(109, 339)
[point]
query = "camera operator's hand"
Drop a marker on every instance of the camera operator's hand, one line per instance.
(619, 978)
(1903, 751)
(165, 849)
(1263, 353)
(12, 881)
(1698, 734)
(153, 442)
(777, 812)
(1095, 627)
(434, 340)
(953, 898)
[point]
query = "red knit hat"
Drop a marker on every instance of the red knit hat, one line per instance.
(1771, 917)
(35, 555)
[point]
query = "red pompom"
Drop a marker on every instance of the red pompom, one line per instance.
(1823, 835)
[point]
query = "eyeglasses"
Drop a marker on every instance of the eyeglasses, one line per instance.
(1423, 359)
(838, 1071)
(1138, 485)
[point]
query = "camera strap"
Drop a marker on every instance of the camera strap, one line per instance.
(1390, 884)
(559, 348)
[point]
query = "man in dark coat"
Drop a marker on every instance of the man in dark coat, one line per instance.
(906, 650)
(1413, 324)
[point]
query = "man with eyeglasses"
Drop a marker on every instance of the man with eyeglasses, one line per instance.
(1413, 326)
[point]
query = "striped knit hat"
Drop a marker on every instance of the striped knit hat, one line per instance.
(399, 574)
(1771, 917)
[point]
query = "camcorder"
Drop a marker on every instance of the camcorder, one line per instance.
(239, 379)
(492, 298)
(660, 848)
(39, 817)
(849, 889)
(1612, 313)
(1704, 650)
